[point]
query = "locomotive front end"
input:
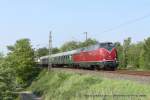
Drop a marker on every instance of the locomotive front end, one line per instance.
(108, 54)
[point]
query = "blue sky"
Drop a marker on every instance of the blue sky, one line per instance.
(68, 19)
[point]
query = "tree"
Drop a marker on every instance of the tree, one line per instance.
(55, 50)
(45, 51)
(7, 79)
(68, 46)
(147, 53)
(88, 42)
(119, 48)
(126, 45)
(142, 59)
(42, 52)
(22, 59)
(134, 54)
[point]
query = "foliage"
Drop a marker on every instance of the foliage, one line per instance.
(71, 45)
(22, 59)
(64, 85)
(142, 59)
(126, 45)
(119, 53)
(134, 55)
(68, 46)
(7, 80)
(55, 50)
(147, 53)
(17, 69)
(88, 42)
(45, 51)
(41, 52)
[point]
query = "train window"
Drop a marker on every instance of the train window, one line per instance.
(108, 46)
(90, 48)
(111, 45)
(64, 58)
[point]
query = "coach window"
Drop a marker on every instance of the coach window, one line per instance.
(67, 57)
(63, 58)
(57, 59)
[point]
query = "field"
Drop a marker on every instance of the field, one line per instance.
(62, 85)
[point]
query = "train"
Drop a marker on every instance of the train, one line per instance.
(98, 56)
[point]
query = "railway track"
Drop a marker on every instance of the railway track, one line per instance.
(138, 76)
(129, 72)
(125, 72)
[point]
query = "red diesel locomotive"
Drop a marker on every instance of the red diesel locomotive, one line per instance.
(99, 56)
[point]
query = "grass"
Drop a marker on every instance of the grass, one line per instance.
(63, 85)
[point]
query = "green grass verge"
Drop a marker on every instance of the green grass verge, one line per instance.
(63, 85)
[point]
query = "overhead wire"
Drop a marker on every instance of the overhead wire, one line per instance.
(127, 23)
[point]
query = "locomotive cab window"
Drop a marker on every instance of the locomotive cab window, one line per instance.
(108, 46)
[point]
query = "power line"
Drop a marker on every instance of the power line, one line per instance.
(127, 23)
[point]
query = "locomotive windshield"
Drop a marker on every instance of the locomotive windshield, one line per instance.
(108, 46)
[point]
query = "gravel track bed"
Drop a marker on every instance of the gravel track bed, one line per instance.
(136, 78)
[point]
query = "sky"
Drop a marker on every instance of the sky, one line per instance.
(69, 19)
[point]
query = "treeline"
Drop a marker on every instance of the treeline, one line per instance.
(17, 69)
(134, 55)
(130, 55)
